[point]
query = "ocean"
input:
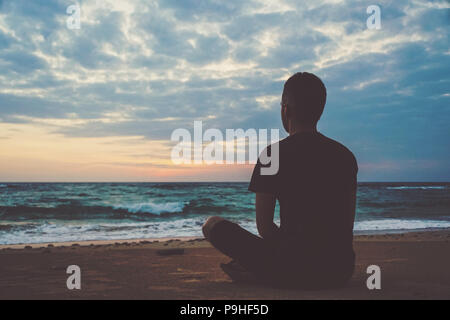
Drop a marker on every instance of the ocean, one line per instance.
(50, 212)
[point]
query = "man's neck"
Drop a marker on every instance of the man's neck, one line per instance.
(297, 128)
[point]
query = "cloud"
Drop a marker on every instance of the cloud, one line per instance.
(21, 62)
(225, 62)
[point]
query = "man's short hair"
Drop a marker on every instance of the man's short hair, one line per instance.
(306, 95)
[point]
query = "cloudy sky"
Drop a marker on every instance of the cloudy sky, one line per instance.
(99, 103)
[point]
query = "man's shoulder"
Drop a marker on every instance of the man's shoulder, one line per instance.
(340, 150)
(337, 145)
(333, 149)
(291, 141)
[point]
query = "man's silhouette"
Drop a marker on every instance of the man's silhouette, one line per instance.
(316, 190)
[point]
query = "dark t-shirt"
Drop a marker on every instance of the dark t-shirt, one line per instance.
(315, 187)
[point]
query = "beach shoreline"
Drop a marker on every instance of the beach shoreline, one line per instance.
(187, 238)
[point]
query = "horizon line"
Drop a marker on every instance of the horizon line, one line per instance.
(241, 181)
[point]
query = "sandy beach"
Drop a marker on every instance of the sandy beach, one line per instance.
(413, 266)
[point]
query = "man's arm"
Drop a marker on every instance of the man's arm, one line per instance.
(265, 210)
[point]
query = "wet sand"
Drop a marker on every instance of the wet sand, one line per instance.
(413, 266)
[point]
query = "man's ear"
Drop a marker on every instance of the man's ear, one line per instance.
(288, 111)
(285, 118)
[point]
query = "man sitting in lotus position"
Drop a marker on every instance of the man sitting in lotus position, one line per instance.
(316, 190)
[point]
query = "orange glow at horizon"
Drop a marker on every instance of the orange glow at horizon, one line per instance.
(30, 152)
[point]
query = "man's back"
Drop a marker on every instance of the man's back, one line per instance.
(315, 187)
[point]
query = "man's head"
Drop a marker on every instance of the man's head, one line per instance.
(303, 100)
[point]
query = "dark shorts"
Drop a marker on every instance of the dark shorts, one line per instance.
(273, 263)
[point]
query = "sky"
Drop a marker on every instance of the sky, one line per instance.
(100, 103)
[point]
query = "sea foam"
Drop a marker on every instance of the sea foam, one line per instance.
(415, 187)
(399, 224)
(153, 208)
